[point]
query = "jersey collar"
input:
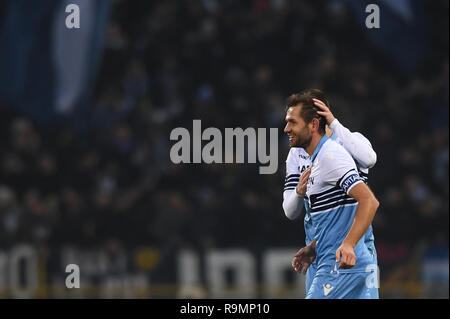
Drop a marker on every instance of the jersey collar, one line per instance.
(333, 137)
(319, 146)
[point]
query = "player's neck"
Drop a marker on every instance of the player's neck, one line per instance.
(314, 141)
(328, 131)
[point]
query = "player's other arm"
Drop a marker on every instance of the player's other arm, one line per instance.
(355, 143)
(293, 198)
(367, 207)
(292, 204)
(293, 191)
(304, 257)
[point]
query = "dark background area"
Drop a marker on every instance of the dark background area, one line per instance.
(100, 174)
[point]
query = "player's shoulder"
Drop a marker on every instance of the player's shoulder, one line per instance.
(333, 151)
(336, 138)
(298, 153)
(333, 145)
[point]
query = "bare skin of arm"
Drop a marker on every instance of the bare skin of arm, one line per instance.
(367, 207)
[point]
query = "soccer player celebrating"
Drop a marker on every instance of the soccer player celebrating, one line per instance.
(339, 209)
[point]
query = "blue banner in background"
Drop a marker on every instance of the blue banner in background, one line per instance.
(48, 71)
(403, 32)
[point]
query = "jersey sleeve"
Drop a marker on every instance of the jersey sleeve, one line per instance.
(356, 144)
(340, 169)
(292, 202)
(292, 173)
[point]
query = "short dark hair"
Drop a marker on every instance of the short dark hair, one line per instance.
(309, 110)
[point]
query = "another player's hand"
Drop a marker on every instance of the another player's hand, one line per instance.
(324, 111)
(301, 187)
(303, 258)
(346, 253)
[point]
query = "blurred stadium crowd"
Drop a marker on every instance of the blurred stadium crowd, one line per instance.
(231, 64)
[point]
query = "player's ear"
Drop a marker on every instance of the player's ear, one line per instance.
(315, 124)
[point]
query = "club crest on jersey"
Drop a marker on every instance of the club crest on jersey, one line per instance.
(327, 289)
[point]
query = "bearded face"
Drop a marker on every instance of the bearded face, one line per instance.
(303, 138)
(300, 133)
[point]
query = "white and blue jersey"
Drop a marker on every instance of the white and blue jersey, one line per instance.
(331, 209)
(298, 160)
(331, 212)
(364, 174)
(309, 229)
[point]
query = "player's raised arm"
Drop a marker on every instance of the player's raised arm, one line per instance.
(367, 207)
(355, 143)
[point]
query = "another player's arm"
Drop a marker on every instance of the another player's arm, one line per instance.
(304, 257)
(367, 207)
(356, 144)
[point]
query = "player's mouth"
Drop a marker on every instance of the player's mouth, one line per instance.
(291, 140)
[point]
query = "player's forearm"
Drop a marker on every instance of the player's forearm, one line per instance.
(357, 145)
(292, 204)
(364, 215)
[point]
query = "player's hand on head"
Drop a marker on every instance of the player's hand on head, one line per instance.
(301, 187)
(324, 111)
(345, 254)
